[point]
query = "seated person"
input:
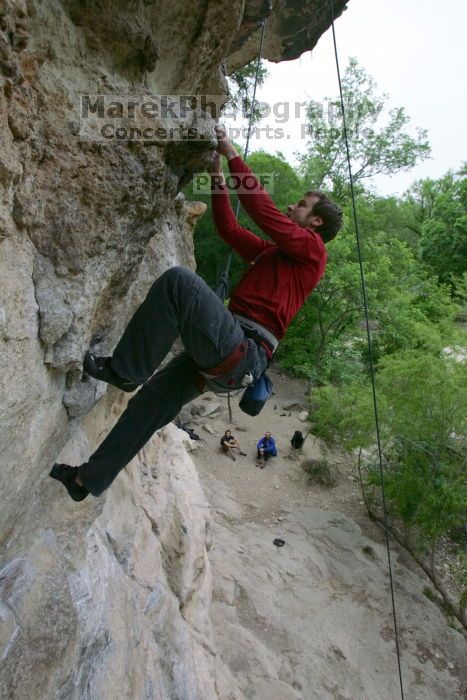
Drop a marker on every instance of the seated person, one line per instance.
(229, 443)
(266, 448)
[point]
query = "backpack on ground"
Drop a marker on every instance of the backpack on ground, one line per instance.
(297, 440)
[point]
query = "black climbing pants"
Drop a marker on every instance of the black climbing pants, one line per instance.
(179, 303)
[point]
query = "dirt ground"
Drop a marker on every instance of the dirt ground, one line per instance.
(313, 619)
(283, 483)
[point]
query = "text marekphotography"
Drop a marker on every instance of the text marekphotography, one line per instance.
(161, 118)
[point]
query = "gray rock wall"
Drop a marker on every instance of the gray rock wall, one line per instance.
(85, 229)
(111, 596)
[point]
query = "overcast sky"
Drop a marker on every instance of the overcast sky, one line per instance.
(416, 52)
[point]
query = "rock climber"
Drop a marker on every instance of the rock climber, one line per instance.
(223, 345)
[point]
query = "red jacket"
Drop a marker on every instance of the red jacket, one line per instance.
(284, 271)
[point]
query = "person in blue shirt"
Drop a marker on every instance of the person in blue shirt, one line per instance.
(266, 448)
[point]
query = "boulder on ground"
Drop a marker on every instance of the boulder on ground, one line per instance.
(292, 405)
(209, 408)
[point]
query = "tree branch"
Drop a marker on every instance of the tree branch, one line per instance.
(456, 610)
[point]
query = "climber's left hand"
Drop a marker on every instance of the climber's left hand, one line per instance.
(215, 164)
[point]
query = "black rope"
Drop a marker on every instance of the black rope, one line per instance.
(370, 352)
(225, 273)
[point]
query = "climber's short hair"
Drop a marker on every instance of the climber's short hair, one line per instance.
(330, 212)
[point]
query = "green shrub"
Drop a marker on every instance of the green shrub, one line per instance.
(320, 471)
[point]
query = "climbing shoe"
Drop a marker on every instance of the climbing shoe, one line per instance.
(67, 476)
(100, 368)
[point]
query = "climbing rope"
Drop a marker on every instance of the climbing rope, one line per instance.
(222, 290)
(370, 352)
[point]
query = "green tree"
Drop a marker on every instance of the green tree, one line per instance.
(422, 411)
(460, 297)
(385, 149)
(241, 84)
(444, 232)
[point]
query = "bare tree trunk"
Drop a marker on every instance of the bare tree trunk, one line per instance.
(458, 611)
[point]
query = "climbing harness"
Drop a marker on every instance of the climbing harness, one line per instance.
(259, 333)
(370, 351)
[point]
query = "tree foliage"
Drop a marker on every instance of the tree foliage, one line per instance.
(241, 84)
(444, 232)
(423, 423)
(374, 150)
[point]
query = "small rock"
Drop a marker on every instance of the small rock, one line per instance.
(287, 405)
(240, 428)
(282, 414)
(61, 271)
(210, 408)
(303, 416)
(208, 428)
(277, 486)
(185, 417)
(451, 666)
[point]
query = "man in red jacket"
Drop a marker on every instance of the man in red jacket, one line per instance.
(224, 348)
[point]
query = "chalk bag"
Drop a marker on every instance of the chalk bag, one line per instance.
(256, 395)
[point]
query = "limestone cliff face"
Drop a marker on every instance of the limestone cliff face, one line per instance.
(117, 587)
